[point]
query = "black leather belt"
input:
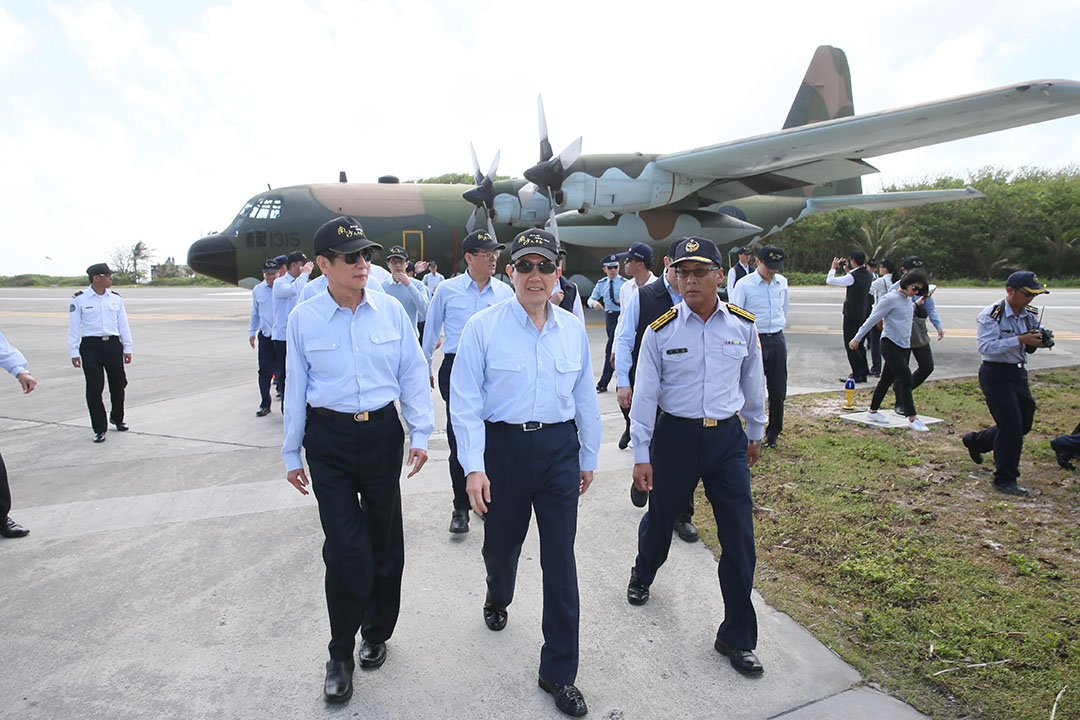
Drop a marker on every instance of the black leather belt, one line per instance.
(530, 426)
(103, 338)
(366, 416)
(700, 422)
(1004, 364)
(778, 332)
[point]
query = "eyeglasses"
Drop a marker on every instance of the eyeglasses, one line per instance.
(698, 272)
(546, 267)
(351, 258)
(486, 254)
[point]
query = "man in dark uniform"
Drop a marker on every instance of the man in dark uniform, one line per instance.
(528, 426)
(15, 363)
(856, 308)
(351, 354)
(261, 329)
(740, 269)
(99, 340)
(1067, 447)
(699, 367)
(1007, 332)
(605, 296)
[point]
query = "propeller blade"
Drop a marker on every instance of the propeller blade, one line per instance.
(471, 222)
(475, 165)
(545, 146)
(570, 154)
(525, 194)
(494, 166)
(551, 220)
(491, 228)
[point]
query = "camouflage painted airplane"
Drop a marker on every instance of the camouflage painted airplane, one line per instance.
(729, 192)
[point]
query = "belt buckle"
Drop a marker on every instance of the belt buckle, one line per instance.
(105, 338)
(708, 422)
(531, 426)
(361, 416)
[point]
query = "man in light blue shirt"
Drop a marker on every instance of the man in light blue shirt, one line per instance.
(764, 292)
(410, 293)
(699, 367)
(454, 302)
(261, 328)
(15, 363)
(605, 296)
(351, 355)
(433, 276)
(286, 292)
(528, 423)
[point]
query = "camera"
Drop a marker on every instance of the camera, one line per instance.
(842, 264)
(1047, 339)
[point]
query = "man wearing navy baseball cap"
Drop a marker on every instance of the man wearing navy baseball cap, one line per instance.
(1007, 333)
(605, 296)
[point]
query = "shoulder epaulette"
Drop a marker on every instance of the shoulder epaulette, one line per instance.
(744, 314)
(664, 319)
(997, 311)
(77, 293)
(113, 291)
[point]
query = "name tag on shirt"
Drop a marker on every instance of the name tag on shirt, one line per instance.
(677, 351)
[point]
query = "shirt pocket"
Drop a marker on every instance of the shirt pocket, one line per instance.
(385, 346)
(567, 371)
(323, 357)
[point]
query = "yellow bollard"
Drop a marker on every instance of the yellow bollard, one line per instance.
(849, 388)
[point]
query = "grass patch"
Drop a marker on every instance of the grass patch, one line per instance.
(896, 552)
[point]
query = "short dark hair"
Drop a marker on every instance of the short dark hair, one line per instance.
(918, 275)
(858, 257)
(889, 265)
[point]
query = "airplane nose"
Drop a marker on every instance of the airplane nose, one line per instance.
(215, 256)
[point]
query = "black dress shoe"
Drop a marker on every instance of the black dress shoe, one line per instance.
(459, 522)
(372, 655)
(637, 592)
(601, 388)
(99, 437)
(624, 440)
(262, 412)
(640, 498)
(969, 443)
(1063, 457)
(279, 395)
(769, 443)
(494, 614)
(567, 697)
(121, 427)
(686, 531)
(338, 685)
(12, 529)
(1011, 488)
(742, 660)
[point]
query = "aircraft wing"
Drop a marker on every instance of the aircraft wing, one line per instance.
(825, 151)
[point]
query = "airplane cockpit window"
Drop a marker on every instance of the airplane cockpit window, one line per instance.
(266, 209)
(244, 212)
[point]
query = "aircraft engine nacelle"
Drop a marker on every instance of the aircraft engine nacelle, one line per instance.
(617, 192)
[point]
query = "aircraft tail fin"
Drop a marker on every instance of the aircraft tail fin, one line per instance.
(825, 94)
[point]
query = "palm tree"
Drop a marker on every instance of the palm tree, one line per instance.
(880, 237)
(995, 256)
(140, 254)
(1059, 245)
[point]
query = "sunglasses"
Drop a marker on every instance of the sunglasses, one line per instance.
(546, 267)
(698, 272)
(351, 258)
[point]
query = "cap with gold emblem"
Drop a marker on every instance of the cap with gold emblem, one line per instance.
(480, 241)
(772, 256)
(698, 249)
(534, 241)
(341, 235)
(397, 252)
(1026, 280)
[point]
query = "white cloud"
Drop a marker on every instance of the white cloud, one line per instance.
(15, 38)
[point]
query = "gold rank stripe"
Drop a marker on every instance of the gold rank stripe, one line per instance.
(664, 319)
(745, 314)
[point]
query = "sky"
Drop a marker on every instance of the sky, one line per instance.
(155, 120)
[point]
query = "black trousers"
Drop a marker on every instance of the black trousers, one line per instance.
(420, 330)
(874, 336)
(688, 514)
(924, 357)
(457, 473)
(355, 471)
(856, 358)
(280, 349)
(896, 374)
(537, 470)
(1068, 443)
(611, 319)
(681, 453)
(774, 358)
(1005, 387)
(267, 368)
(5, 491)
(101, 358)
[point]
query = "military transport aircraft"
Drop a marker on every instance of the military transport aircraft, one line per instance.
(729, 192)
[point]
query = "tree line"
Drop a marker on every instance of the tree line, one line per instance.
(1029, 219)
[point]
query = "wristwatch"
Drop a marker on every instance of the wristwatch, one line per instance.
(753, 442)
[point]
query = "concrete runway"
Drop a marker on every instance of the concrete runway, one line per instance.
(172, 572)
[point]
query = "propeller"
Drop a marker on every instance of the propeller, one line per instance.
(550, 172)
(483, 195)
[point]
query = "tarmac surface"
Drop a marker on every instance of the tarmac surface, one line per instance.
(172, 572)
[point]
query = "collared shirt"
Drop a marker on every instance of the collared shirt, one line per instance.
(10, 358)
(432, 280)
(694, 368)
(895, 312)
(731, 280)
(843, 281)
(93, 315)
(881, 285)
(609, 291)
(997, 338)
(769, 301)
(353, 362)
(286, 292)
(506, 371)
(319, 284)
(413, 297)
(262, 310)
(454, 302)
(928, 304)
(626, 331)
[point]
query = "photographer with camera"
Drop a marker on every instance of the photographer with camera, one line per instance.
(856, 307)
(1007, 333)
